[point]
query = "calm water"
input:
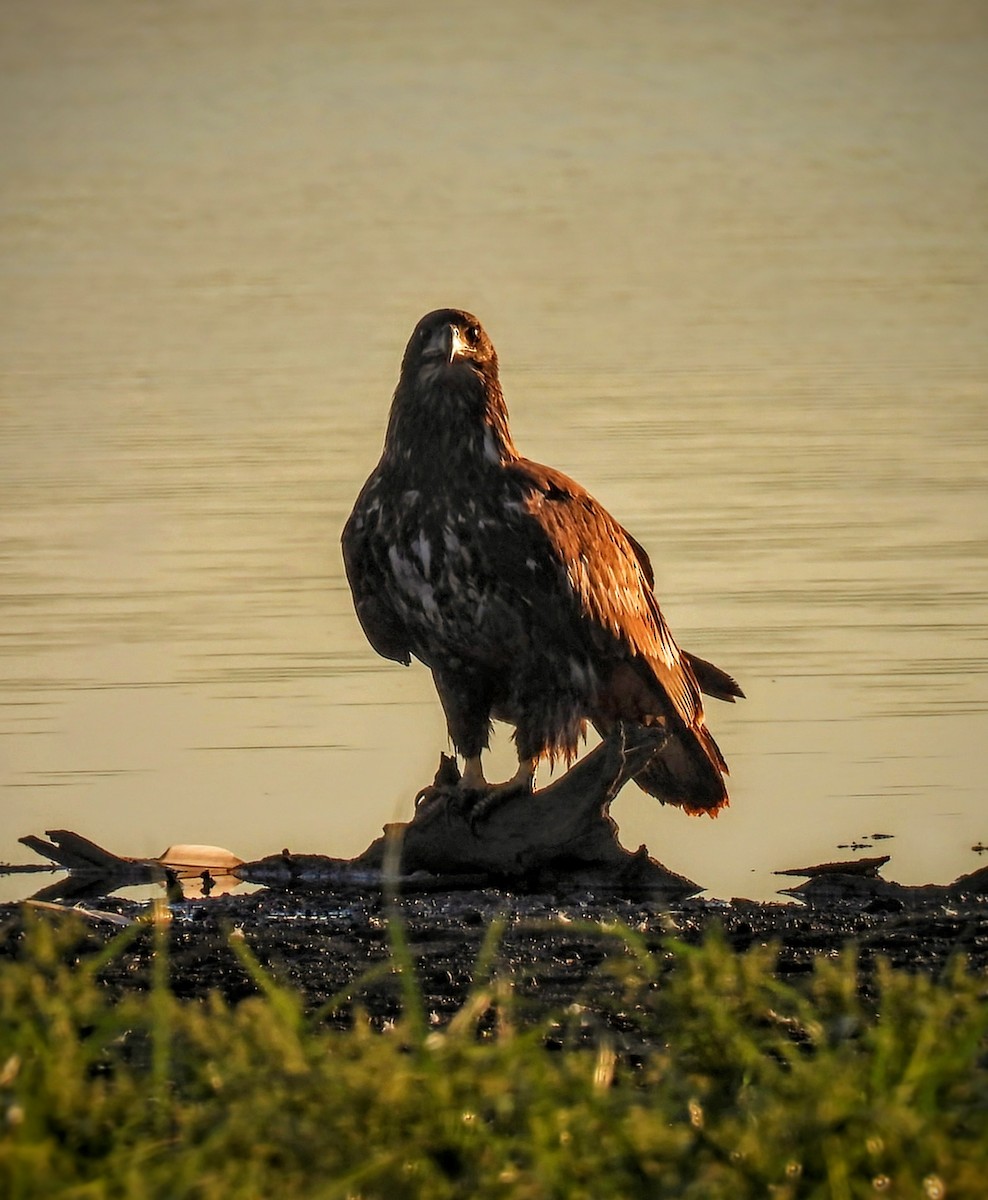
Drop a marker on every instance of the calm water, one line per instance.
(734, 261)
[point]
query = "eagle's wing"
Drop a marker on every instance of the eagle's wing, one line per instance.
(604, 581)
(591, 565)
(712, 680)
(382, 626)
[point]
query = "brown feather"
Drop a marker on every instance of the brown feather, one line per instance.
(712, 680)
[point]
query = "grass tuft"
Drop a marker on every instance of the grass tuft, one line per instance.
(750, 1086)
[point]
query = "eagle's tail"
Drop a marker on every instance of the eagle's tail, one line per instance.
(688, 771)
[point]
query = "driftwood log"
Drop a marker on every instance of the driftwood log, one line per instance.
(560, 837)
(95, 871)
(557, 837)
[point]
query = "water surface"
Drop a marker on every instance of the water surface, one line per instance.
(734, 262)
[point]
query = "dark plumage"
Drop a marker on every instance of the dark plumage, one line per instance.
(525, 598)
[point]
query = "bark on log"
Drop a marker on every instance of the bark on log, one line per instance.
(856, 866)
(560, 836)
(76, 853)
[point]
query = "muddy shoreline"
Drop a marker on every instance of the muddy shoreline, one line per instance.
(323, 945)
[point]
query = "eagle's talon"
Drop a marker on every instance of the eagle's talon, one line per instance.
(469, 804)
(482, 806)
(451, 800)
(445, 784)
(430, 798)
(486, 800)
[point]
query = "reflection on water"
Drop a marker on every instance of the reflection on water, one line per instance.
(735, 271)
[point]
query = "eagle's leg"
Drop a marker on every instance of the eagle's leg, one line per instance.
(474, 780)
(489, 796)
(467, 698)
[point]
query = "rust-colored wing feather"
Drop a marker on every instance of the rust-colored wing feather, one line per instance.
(608, 575)
(604, 573)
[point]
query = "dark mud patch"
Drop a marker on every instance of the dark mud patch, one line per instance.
(550, 949)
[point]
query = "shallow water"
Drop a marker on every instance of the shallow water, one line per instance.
(735, 268)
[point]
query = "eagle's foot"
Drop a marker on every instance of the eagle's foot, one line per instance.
(452, 800)
(428, 798)
(484, 803)
(469, 796)
(484, 797)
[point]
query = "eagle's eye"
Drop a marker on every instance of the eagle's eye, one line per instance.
(472, 333)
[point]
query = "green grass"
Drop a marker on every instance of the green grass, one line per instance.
(753, 1088)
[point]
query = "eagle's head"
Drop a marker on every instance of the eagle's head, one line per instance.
(448, 409)
(447, 347)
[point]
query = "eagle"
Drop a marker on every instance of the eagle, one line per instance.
(523, 596)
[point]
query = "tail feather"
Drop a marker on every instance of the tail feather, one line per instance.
(712, 680)
(689, 772)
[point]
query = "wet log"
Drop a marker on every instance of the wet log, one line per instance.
(868, 867)
(95, 871)
(860, 882)
(560, 836)
(82, 857)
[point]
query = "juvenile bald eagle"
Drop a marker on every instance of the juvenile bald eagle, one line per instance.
(525, 598)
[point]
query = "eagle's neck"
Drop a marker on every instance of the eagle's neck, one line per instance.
(455, 429)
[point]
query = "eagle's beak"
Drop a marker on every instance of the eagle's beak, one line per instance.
(446, 343)
(457, 346)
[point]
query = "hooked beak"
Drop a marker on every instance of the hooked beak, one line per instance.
(446, 343)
